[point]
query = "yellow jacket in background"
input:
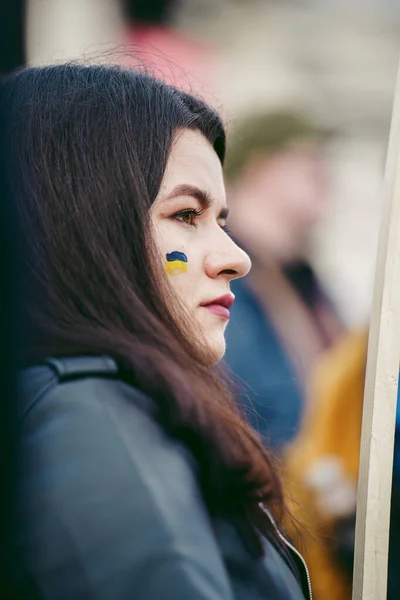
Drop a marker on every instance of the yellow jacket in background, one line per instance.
(322, 463)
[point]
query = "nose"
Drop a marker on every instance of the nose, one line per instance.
(228, 261)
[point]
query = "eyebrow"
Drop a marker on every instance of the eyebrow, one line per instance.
(204, 198)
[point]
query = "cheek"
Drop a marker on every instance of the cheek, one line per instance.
(179, 269)
(179, 259)
(176, 262)
(173, 254)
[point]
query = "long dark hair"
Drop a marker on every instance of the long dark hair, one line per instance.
(87, 149)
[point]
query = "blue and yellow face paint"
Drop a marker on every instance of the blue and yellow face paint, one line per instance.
(176, 263)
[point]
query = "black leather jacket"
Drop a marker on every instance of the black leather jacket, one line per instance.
(109, 507)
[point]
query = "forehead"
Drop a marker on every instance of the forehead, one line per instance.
(194, 161)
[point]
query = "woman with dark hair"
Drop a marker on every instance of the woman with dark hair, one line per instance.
(137, 476)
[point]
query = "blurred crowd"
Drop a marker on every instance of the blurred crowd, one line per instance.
(296, 344)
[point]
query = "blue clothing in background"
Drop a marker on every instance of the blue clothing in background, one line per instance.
(272, 396)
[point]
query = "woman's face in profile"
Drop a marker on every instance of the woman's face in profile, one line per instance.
(189, 218)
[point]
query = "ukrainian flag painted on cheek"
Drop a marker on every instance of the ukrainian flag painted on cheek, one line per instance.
(176, 263)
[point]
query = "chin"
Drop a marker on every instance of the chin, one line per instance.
(217, 348)
(212, 333)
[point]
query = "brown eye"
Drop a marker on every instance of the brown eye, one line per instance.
(188, 217)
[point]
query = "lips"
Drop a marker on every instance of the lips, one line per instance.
(220, 306)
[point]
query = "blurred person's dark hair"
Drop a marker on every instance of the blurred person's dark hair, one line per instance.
(149, 12)
(269, 133)
(12, 38)
(88, 147)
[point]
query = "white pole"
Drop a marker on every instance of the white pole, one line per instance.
(378, 427)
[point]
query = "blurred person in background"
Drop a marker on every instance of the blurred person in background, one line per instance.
(178, 58)
(322, 472)
(282, 320)
(137, 477)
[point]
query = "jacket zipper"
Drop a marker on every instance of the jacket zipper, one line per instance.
(289, 545)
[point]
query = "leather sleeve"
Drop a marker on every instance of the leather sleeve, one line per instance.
(109, 506)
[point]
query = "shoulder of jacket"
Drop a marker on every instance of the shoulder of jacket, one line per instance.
(62, 374)
(87, 393)
(76, 367)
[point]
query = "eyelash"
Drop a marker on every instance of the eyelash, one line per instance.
(194, 213)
